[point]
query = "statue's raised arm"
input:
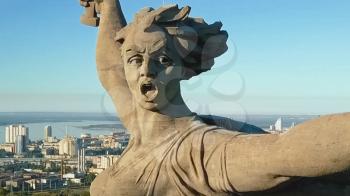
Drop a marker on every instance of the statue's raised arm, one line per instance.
(108, 16)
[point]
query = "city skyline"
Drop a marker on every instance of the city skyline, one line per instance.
(52, 164)
(284, 58)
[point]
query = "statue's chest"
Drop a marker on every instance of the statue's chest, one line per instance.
(135, 176)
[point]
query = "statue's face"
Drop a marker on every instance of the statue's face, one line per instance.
(153, 68)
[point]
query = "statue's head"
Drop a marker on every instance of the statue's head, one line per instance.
(164, 46)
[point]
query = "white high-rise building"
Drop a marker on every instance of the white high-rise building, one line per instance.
(12, 131)
(48, 132)
(279, 125)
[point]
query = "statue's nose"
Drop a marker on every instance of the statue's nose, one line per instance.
(148, 69)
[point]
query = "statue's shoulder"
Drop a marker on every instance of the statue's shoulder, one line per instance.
(231, 124)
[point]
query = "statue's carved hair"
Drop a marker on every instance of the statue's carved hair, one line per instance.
(197, 42)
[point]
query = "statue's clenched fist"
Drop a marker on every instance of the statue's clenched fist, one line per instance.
(92, 8)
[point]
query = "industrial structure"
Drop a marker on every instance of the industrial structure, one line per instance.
(68, 146)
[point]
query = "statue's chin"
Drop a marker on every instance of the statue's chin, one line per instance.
(153, 106)
(157, 104)
(148, 105)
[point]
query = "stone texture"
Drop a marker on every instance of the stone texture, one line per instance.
(176, 152)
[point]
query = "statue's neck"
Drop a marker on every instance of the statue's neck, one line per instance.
(156, 125)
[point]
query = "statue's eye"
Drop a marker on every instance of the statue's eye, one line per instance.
(164, 60)
(136, 60)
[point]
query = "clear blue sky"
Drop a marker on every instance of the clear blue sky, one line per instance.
(291, 57)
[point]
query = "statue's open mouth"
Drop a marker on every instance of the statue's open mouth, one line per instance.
(149, 90)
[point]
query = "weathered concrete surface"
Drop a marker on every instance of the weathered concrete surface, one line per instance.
(176, 152)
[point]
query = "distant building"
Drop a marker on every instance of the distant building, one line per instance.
(123, 141)
(52, 140)
(293, 125)
(81, 161)
(8, 147)
(12, 131)
(95, 170)
(20, 144)
(110, 142)
(15, 184)
(47, 132)
(48, 152)
(107, 161)
(279, 125)
(68, 146)
(69, 176)
(76, 180)
(85, 135)
(55, 144)
(32, 147)
(51, 147)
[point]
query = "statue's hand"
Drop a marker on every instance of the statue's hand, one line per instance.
(98, 3)
(92, 8)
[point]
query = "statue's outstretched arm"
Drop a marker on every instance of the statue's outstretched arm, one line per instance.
(108, 56)
(314, 148)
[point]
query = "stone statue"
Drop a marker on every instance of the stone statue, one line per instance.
(174, 151)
